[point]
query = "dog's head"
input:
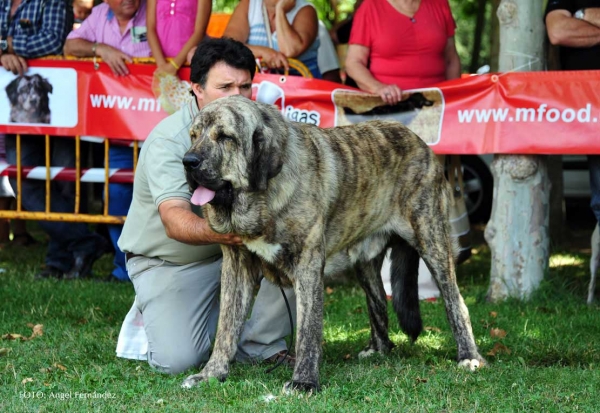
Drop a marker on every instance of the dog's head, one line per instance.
(236, 146)
(29, 92)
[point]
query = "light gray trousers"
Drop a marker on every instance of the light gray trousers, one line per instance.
(180, 309)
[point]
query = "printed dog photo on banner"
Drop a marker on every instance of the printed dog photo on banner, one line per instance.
(421, 110)
(41, 96)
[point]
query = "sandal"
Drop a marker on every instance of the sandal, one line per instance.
(23, 240)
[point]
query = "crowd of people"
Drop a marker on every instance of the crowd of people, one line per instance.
(117, 31)
(165, 247)
(175, 271)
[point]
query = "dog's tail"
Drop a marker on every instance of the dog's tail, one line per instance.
(405, 288)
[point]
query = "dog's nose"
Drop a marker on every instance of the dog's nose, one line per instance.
(191, 161)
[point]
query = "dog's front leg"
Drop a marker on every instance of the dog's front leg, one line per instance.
(238, 277)
(308, 286)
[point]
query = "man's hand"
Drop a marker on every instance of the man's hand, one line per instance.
(274, 59)
(114, 58)
(390, 94)
(227, 239)
(565, 30)
(13, 63)
(167, 68)
(182, 225)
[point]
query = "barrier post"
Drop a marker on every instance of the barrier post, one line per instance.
(48, 177)
(106, 176)
(77, 174)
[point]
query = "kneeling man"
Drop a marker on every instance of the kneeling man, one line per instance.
(173, 257)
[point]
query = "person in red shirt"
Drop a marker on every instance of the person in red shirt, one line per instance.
(402, 44)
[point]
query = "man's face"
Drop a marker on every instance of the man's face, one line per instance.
(123, 9)
(223, 80)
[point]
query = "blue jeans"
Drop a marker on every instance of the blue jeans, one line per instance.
(66, 238)
(594, 165)
(119, 199)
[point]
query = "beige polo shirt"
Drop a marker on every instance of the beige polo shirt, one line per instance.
(160, 176)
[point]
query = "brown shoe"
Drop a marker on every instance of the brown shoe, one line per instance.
(287, 360)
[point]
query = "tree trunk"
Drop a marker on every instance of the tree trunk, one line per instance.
(494, 38)
(477, 35)
(518, 229)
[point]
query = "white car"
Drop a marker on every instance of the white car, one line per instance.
(479, 183)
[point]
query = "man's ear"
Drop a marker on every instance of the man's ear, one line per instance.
(199, 93)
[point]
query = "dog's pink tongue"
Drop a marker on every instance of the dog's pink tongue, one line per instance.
(202, 195)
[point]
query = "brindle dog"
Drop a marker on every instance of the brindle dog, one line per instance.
(310, 201)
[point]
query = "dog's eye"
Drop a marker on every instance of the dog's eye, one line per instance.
(224, 138)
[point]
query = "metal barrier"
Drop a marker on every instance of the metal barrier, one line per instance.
(19, 172)
(51, 173)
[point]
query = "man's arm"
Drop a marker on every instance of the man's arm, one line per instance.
(296, 37)
(565, 30)
(80, 48)
(182, 225)
(51, 36)
(114, 58)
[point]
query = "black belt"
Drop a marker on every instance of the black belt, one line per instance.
(130, 255)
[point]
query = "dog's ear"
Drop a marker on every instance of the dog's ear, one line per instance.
(266, 161)
(47, 86)
(420, 100)
(11, 90)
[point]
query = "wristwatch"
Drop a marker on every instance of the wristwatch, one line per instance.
(3, 45)
(579, 14)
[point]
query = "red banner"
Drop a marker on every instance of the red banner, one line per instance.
(522, 112)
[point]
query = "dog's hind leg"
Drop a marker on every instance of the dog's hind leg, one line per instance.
(369, 278)
(435, 246)
(405, 288)
(239, 275)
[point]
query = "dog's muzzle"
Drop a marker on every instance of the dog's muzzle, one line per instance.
(206, 187)
(191, 161)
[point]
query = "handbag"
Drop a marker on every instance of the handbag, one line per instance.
(459, 217)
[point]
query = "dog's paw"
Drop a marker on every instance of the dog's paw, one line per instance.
(192, 380)
(368, 352)
(471, 364)
(195, 379)
(307, 387)
(383, 348)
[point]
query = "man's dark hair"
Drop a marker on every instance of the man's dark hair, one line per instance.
(212, 51)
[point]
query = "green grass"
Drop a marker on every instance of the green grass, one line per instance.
(553, 364)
